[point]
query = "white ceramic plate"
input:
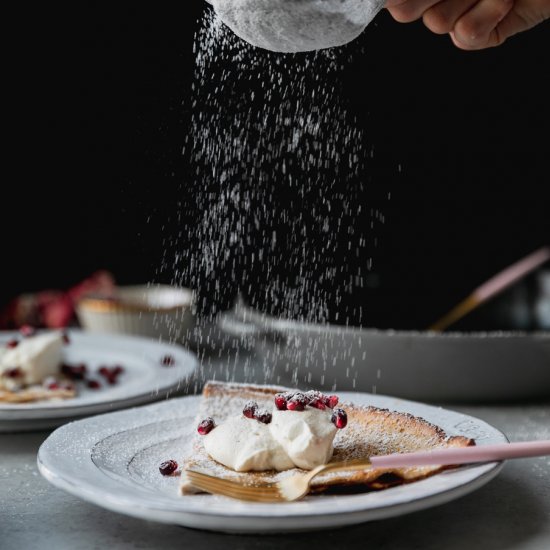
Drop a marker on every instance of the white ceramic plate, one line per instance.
(112, 460)
(145, 379)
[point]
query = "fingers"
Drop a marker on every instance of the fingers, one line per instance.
(519, 18)
(472, 24)
(479, 27)
(442, 17)
(406, 11)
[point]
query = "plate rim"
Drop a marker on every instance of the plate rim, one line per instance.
(293, 520)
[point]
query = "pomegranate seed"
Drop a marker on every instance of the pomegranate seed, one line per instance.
(339, 418)
(280, 402)
(206, 426)
(12, 344)
(167, 361)
(50, 383)
(332, 401)
(318, 404)
(294, 406)
(313, 395)
(27, 330)
(263, 416)
(76, 372)
(168, 468)
(93, 384)
(111, 373)
(250, 409)
(13, 373)
(316, 399)
(297, 402)
(66, 339)
(118, 369)
(66, 386)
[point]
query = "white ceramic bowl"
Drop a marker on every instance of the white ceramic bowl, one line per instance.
(162, 312)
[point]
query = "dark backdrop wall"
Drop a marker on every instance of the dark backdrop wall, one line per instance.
(100, 97)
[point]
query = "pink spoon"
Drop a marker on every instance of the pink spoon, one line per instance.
(463, 455)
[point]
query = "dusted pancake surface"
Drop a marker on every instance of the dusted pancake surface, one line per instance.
(370, 431)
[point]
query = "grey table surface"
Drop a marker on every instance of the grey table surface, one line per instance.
(511, 511)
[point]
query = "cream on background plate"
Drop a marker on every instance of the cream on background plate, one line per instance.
(145, 379)
(112, 461)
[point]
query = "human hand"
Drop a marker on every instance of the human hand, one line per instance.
(473, 24)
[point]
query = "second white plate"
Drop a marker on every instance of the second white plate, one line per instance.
(145, 379)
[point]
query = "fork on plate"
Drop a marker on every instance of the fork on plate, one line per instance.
(296, 486)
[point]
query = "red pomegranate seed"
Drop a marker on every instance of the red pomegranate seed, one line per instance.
(297, 402)
(263, 416)
(66, 339)
(280, 402)
(168, 468)
(13, 373)
(313, 395)
(167, 361)
(332, 401)
(93, 384)
(66, 386)
(318, 404)
(66, 369)
(27, 330)
(339, 418)
(50, 383)
(206, 426)
(250, 409)
(118, 369)
(12, 344)
(294, 406)
(76, 372)
(111, 374)
(316, 399)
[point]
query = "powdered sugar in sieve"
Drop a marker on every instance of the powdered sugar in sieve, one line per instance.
(292, 26)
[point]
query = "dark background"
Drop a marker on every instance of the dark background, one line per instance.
(100, 100)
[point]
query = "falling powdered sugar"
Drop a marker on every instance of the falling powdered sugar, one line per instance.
(278, 179)
(273, 206)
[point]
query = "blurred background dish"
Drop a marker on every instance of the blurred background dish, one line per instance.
(498, 348)
(468, 367)
(158, 311)
(151, 371)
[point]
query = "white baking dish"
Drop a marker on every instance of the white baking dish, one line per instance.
(427, 366)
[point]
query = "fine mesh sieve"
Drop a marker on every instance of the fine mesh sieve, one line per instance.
(292, 26)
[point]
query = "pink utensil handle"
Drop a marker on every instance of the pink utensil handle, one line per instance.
(512, 274)
(464, 455)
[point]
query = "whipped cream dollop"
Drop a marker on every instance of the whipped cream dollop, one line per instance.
(303, 439)
(36, 357)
